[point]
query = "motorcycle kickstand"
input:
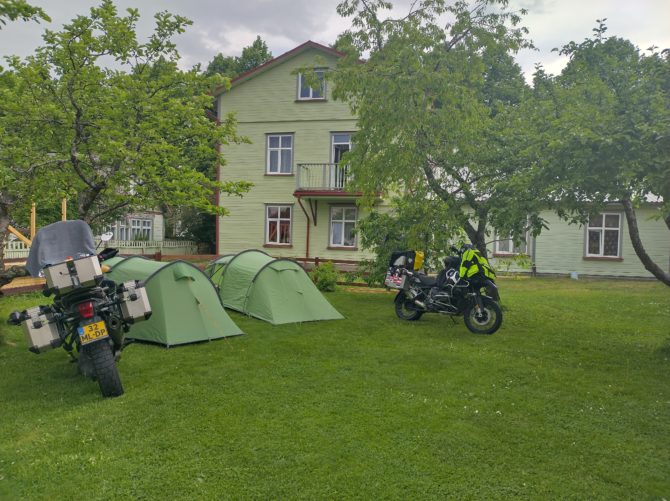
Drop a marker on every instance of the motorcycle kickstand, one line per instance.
(453, 320)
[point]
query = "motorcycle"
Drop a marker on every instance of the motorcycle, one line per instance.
(476, 297)
(90, 314)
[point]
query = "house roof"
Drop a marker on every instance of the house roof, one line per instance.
(277, 61)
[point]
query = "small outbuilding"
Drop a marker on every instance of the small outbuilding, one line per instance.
(185, 304)
(278, 291)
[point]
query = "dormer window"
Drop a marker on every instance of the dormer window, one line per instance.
(308, 93)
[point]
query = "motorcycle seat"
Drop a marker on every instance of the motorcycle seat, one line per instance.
(427, 281)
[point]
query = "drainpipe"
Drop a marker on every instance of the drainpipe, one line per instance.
(308, 224)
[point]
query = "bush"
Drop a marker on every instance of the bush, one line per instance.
(324, 276)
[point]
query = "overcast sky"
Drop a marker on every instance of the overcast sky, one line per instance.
(227, 26)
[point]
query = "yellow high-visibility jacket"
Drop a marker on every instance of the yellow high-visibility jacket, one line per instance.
(472, 262)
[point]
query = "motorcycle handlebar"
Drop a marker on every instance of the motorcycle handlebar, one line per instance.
(15, 318)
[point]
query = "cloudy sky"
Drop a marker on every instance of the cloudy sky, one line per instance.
(227, 26)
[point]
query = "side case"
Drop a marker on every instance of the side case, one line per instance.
(41, 331)
(135, 306)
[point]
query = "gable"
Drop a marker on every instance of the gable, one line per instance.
(271, 93)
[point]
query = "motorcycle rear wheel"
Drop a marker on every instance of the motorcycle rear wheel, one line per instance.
(106, 371)
(405, 308)
(488, 321)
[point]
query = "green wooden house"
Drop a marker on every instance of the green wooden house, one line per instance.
(600, 248)
(300, 206)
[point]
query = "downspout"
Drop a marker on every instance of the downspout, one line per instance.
(218, 199)
(308, 224)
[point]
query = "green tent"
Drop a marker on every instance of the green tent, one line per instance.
(275, 290)
(185, 305)
(215, 268)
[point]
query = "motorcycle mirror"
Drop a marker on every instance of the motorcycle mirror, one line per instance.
(106, 237)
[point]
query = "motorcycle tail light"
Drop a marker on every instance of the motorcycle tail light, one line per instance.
(86, 309)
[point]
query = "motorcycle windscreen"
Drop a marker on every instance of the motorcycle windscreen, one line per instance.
(57, 242)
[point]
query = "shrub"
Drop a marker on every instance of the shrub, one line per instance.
(324, 276)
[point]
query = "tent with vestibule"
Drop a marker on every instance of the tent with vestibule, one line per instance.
(184, 301)
(278, 291)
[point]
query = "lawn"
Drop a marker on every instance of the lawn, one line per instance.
(570, 399)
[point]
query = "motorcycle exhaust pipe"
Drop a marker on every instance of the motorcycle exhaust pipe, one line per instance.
(114, 324)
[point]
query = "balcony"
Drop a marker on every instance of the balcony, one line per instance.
(322, 179)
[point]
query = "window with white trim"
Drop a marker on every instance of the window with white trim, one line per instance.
(504, 244)
(123, 230)
(306, 92)
(603, 235)
(278, 224)
(140, 229)
(343, 226)
(279, 154)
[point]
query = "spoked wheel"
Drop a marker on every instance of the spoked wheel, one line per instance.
(106, 371)
(485, 321)
(406, 309)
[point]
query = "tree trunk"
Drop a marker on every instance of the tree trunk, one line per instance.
(634, 234)
(477, 236)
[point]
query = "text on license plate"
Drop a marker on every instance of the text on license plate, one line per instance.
(92, 332)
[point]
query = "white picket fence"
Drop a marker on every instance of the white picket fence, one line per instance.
(18, 250)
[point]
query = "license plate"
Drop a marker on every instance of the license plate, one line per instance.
(92, 332)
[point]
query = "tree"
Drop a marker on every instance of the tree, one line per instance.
(115, 140)
(252, 56)
(436, 111)
(20, 9)
(195, 225)
(222, 65)
(607, 132)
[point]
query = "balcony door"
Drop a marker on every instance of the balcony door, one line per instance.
(340, 144)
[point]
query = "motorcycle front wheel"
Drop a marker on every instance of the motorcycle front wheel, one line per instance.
(405, 308)
(106, 371)
(487, 320)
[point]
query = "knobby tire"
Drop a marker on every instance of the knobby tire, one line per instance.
(106, 371)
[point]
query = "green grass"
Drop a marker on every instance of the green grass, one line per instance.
(570, 399)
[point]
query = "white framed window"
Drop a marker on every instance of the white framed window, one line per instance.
(140, 229)
(340, 144)
(342, 226)
(278, 224)
(279, 154)
(603, 235)
(306, 92)
(123, 230)
(504, 244)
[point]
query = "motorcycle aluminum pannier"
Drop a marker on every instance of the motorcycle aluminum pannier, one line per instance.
(411, 260)
(395, 280)
(135, 306)
(68, 275)
(41, 330)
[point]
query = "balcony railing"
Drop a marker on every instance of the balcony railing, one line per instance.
(322, 177)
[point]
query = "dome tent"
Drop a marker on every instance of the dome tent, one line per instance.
(275, 290)
(214, 269)
(185, 305)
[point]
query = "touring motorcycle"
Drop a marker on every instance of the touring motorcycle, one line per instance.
(90, 314)
(464, 287)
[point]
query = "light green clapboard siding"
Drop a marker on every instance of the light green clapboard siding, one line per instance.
(560, 249)
(272, 95)
(267, 104)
